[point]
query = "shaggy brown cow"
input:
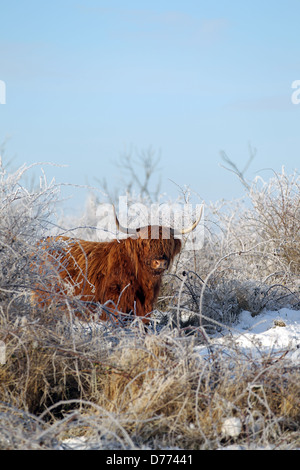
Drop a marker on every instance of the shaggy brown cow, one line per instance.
(124, 274)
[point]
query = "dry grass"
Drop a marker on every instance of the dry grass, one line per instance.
(116, 386)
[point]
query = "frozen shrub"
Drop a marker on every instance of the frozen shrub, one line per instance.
(25, 217)
(276, 216)
(250, 259)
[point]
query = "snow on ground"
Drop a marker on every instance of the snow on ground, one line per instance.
(268, 333)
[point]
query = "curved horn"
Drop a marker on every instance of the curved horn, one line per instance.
(194, 225)
(131, 231)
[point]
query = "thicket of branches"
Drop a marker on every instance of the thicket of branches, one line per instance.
(121, 388)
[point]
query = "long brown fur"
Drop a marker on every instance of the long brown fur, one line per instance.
(118, 273)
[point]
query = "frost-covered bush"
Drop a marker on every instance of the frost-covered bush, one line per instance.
(25, 217)
(276, 216)
(250, 259)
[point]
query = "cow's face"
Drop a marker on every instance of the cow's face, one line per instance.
(154, 246)
(157, 248)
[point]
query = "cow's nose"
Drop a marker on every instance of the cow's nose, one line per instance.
(160, 264)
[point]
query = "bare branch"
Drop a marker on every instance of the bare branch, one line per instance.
(234, 169)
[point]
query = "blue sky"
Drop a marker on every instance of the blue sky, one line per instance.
(87, 80)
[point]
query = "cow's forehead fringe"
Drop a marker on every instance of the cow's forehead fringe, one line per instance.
(169, 246)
